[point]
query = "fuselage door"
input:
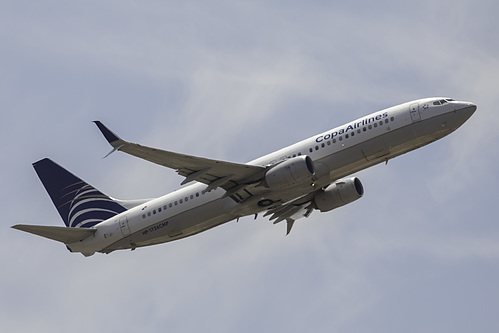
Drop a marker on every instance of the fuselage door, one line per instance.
(414, 109)
(125, 229)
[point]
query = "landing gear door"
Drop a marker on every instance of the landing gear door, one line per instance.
(125, 229)
(414, 109)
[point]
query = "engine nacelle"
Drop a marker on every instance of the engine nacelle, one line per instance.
(294, 171)
(339, 194)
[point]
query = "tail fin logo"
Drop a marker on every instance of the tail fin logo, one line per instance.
(79, 204)
(89, 207)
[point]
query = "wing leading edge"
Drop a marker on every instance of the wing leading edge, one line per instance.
(235, 178)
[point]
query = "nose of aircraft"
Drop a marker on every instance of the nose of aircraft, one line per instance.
(464, 105)
(468, 106)
(465, 109)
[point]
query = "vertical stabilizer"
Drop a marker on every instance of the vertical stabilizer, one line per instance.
(79, 204)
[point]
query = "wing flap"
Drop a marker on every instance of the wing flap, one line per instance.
(292, 211)
(61, 234)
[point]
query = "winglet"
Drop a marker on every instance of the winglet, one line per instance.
(289, 226)
(113, 139)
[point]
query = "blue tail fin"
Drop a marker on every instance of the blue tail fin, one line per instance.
(79, 204)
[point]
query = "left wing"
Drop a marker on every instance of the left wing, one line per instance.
(235, 178)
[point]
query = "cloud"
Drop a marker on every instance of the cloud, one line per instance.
(235, 81)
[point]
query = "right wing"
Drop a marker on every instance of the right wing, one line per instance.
(292, 211)
(235, 178)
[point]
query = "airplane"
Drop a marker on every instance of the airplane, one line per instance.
(285, 185)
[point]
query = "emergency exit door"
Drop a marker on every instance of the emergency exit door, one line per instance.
(125, 229)
(414, 109)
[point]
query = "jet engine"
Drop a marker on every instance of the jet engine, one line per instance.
(294, 171)
(339, 194)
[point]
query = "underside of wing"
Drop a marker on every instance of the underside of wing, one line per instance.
(235, 178)
(292, 211)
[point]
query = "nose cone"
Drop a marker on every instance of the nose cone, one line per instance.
(464, 110)
(468, 108)
(464, 106)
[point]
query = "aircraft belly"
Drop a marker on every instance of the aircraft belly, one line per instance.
(188, 230)
(185, 224)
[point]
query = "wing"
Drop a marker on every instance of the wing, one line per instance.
(235, 178)
(292, 210)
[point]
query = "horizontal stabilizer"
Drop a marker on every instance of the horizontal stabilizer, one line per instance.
(60, 234)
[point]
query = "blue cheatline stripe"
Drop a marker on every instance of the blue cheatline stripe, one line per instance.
(78, 203)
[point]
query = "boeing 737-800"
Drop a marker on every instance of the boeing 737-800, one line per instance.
(288, 184)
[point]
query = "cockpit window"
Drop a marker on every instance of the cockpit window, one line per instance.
(443, 101)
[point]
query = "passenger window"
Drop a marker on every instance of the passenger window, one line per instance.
(334, 140)
(164, 207)
(143, 216)
(316, 147)
(346, 136)
(149, 214)
(181, 201)
(341, 138)
(311, 150)
(170, 205)
(329, 143)
(358, 131)
(159, 209)
(370, 126)
(176, 203)
(197, 194)
(392, 119)
(192, 197)
(386, 121)
(375, 124)
(323, 145)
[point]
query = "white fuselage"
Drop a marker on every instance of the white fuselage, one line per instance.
(336, 153)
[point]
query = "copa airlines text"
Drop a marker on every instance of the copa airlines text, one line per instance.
(288, 184)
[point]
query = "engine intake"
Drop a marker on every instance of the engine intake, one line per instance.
(294, 171)
(338, 194)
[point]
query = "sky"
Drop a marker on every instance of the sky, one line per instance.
(233, 81)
